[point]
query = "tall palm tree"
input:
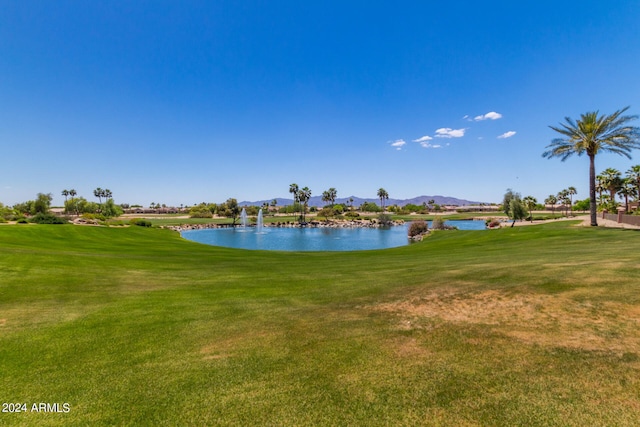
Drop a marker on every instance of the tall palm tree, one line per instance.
(592, 134)
(612, 181)
(530, 202)
(99, 193)
(603, 200)
(633, 174)
(303, 197)
(571, 191)
(65, 193)
(294, 190)
(563, 197)
(600, 188)
(382, 195)
(626, 190)
(329, 196)
(551, 200)
(333, 193)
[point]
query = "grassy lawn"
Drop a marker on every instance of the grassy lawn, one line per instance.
(135, 326)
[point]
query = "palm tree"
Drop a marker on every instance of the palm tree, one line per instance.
(303, 196)
(633, 174)
(333, 193)
(74, 202)
(65, 193)
(551, 200)
(571, 191)
(382, 195)
(530, 202)
(563, 197)
(603, 200)
(600, 188)
(627, 189)
(612, 180)
(592, 134)
(294, 189)
(99, 193)
(329, 196)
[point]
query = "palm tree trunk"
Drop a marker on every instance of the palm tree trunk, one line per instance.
(592, 191)
(626, 203)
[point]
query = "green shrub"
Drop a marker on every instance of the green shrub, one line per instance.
(47, 218)
(200, 214)
(384, 219)
(326, 212)
(352, 214)
(98, 217)
(418, 227)
(370, 207)
(140, 222)
(437, 223)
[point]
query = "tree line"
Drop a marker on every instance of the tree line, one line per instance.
(39, 209)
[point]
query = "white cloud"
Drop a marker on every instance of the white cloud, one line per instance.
(427, 145)
(492, 115)
(507, 134)
(423, 139)
(424, 142)
(450, 133)
(398, 144)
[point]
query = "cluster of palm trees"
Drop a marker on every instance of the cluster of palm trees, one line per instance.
(382, 195)
(79, 204)
(592, 134)
(329, 196)
(301, 196)
(612, 181)
(66, 193)
(100, 193)
(564, 197)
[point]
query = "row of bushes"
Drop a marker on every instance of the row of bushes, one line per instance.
(49, 218)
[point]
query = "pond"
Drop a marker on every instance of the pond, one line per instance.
(312, 239)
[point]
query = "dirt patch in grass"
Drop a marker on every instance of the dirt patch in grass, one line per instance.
(541, 319)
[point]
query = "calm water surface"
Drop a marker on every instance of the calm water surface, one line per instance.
(312, 239)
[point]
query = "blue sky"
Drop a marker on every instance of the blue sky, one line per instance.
(184, 102)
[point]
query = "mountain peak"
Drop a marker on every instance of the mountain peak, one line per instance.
(357, 201)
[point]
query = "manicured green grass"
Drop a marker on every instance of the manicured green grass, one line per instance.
(135, 326)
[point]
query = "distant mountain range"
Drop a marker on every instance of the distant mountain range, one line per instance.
(357, 201)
